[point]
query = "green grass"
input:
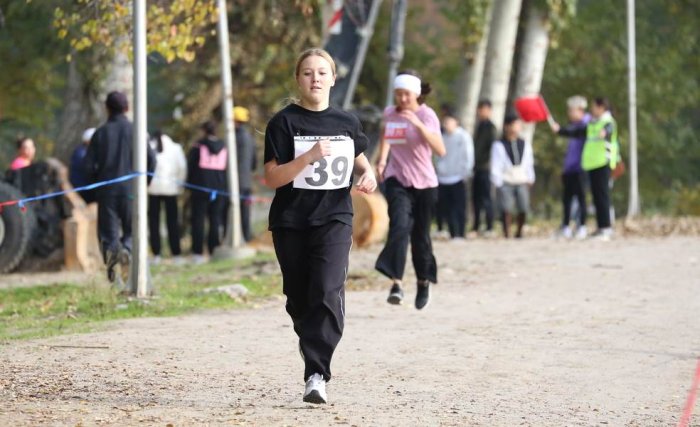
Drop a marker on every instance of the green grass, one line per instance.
(43, 311)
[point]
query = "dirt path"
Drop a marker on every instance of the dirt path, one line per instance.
(534, 333)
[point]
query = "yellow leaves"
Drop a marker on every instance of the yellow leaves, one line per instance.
(81, 43)
(175, 27)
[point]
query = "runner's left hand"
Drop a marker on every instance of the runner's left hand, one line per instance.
(367, 183)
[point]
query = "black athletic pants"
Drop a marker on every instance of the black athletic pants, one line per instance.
(410, 215)
(114, 223)
(314, 264)
(203, 207)
(171, 219)
(574, 186)
(246, 203)
(600, 189)
(452, 207)
(481, 199)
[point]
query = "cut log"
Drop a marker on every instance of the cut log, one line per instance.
(370, 222)
(81, 245)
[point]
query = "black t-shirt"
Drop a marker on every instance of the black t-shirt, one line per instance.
(300, 208)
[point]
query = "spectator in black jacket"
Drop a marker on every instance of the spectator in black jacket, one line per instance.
(109, 156)
(206, 167)
(484, 137)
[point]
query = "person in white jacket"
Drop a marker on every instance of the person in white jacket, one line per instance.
(512, 173)
(453, 171)
(166, 186)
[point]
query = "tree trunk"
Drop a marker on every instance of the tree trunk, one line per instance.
(471, 78)
(533, 55)
(80, 111)
(120, 76)
(499, 56)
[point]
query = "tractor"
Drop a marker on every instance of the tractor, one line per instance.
(48, 233)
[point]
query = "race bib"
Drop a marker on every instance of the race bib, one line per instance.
(331, 172)
(395, 132)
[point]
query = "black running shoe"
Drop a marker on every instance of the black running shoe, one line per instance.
(422, 295)
(112, 260)
(395, 295)
(124, 263)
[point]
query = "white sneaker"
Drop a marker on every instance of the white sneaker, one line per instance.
(581, 233)
(198, 259)
(315, 391)
(564, 233)
(156, 260)
(603, 235)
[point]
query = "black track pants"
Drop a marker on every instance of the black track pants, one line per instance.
(600, 189)
(481, 199)
(452, 205)
(172, 220)
(114, 223)
(314, 264)
(410, 215)
(574, 187)
(204, 208)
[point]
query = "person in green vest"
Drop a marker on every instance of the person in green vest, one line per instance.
(600, 156)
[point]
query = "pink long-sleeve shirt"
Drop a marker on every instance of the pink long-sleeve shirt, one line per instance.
(410, 155)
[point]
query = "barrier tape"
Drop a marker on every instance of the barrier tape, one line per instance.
(213, 193)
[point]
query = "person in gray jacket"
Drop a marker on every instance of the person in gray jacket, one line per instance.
(247, 159)
(453, 171)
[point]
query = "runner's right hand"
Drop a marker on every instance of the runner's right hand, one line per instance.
(380, 171)
(321, 149)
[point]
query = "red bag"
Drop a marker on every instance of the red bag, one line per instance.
(532, 108)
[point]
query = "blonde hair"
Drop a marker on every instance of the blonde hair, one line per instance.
(314, 52)
(577, 101)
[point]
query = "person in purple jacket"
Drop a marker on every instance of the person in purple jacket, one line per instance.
(573, 177)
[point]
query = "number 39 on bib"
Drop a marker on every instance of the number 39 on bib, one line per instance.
(331, 172)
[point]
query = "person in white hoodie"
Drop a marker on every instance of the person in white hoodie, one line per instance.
(512, 173)
(166, 186)
(453, 171)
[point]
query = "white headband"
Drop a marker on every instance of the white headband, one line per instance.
(408, 82)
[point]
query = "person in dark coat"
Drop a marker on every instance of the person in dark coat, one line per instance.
(484, 137)
(246, 159)
(206, 167)
(109, 156)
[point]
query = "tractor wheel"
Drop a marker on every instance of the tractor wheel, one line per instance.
(15, 229)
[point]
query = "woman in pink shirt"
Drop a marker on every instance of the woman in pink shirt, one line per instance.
(26, 150)
(411, 134)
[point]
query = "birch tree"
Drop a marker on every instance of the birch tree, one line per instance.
(543, 22)
(499, 56)
(473, 20)
(533, 54)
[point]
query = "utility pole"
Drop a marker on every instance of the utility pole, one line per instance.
(139, 276)
(231, 247)
(398, 23)
(366, 35)
(633, 207)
